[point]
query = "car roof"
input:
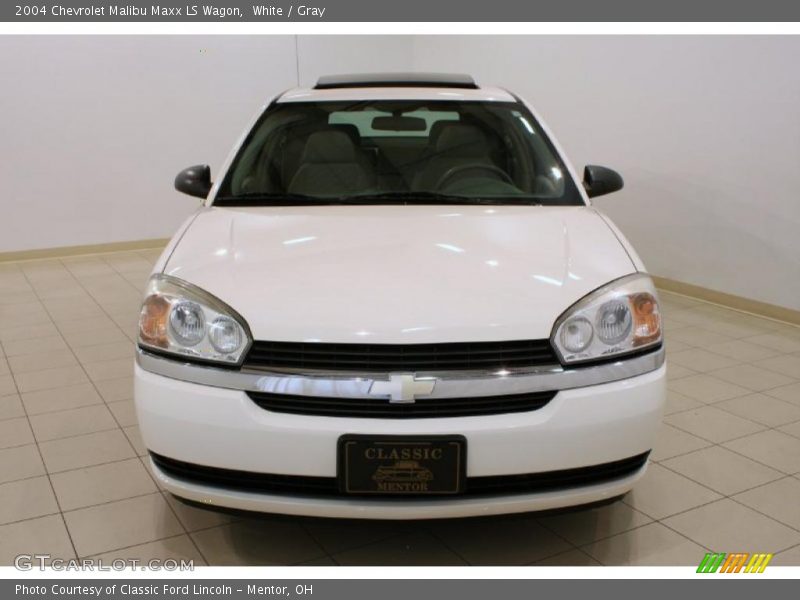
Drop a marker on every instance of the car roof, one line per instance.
(396, 86)
(491, 94)
(450, 80)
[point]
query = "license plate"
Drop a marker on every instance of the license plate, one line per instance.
(394, 465)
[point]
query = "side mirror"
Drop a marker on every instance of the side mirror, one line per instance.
(195, 181)
(601, 180)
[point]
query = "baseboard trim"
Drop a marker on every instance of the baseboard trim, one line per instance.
(65, 251)
(747, 305)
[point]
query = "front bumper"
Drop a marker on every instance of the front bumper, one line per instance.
(224, 428)
(359, 508)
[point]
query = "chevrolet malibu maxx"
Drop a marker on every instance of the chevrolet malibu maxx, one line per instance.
(397, 301)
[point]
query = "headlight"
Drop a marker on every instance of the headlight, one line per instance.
(179, 318)
(617, 319)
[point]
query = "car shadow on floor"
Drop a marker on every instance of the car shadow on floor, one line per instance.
(517, 539)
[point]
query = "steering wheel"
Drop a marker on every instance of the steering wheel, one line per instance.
(450, 173)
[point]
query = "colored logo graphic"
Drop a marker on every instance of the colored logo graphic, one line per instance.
(737, 562)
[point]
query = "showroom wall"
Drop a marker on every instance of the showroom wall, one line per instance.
(94, 128)
(705, 130)
(329, 54)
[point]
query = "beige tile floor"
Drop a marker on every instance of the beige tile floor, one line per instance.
(725, 471)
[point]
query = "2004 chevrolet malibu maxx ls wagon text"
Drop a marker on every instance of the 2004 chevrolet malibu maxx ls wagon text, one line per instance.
(398, 302)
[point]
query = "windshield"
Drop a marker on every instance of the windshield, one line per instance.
(372, 152)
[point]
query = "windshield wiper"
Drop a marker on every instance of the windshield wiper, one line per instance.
(278, 199)
(423, 197)
(397, 197)
(289, 199)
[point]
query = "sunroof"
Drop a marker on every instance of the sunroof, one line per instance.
(447, 80)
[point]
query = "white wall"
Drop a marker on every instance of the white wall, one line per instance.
(705, 130)
(95, 128)
(332, 54)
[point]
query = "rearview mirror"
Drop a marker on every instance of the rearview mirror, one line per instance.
(399, 123)
(601, 180)
(195, 181)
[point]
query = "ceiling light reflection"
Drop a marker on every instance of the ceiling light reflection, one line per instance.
(299, 240)
(549, 280)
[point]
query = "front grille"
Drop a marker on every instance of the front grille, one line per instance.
(383, 409)
(495, 485)
(400, 357)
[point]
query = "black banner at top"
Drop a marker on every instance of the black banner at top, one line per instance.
(400, 11)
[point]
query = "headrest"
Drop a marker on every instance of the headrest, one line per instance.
(462, 140)
(437, 129)
(350, 129)
(329, 147)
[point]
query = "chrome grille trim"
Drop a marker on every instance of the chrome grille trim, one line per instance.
(453, 384)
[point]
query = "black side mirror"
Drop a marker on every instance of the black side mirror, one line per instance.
(195, 181)
(601, 180)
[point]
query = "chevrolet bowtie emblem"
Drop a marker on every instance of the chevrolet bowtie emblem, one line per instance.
(403, 389)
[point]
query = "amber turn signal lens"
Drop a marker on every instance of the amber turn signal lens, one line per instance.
(153, 321)
(646, 319)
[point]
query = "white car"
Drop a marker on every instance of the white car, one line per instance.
(397, 301)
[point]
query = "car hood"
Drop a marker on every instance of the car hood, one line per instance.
(399, 274)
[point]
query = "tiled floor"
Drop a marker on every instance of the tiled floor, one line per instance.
(725, 472)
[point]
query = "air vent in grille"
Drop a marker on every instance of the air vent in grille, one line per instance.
(496, 485)
(383, 409)
(401, 357)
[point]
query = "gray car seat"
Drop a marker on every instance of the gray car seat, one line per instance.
(330, 166)
(458, 145)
